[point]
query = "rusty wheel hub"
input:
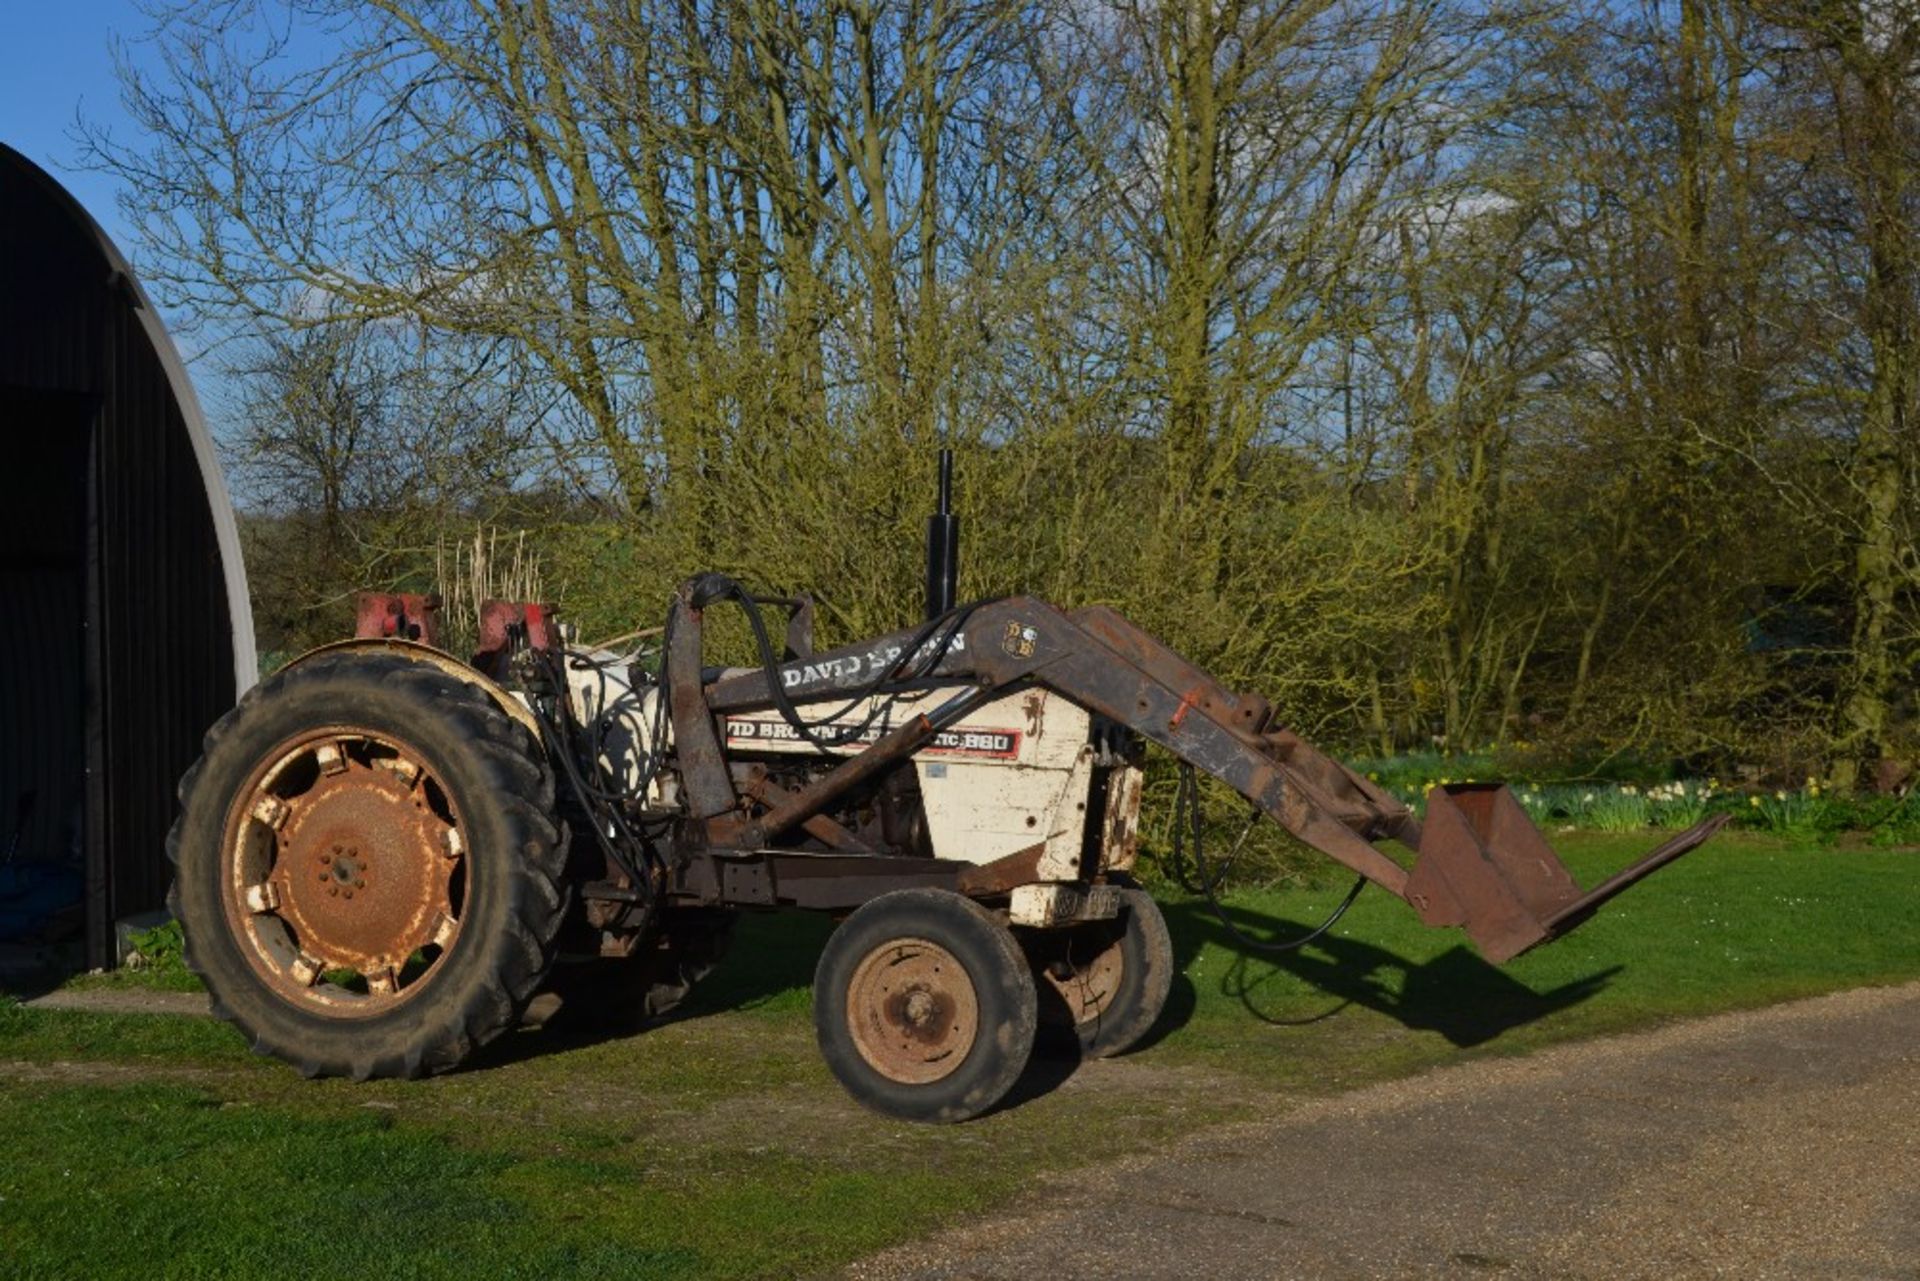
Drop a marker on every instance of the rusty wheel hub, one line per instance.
(912, 1011)
(1087, 986)
(345, 871)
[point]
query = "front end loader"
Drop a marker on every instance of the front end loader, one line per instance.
(385, 849)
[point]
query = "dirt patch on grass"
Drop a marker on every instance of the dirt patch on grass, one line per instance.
(101, 1072)
(124, 1000)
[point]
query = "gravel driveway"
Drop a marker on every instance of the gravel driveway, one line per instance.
(1782, 1142)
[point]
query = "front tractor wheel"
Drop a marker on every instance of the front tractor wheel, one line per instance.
(924, 1006)
(367, 867)
(1107, 981)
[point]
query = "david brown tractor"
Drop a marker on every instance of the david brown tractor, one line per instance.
(384, 849)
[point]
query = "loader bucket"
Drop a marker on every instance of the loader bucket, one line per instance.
(1484, 866)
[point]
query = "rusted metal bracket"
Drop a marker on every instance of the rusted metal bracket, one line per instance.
(794, 878)
(768, 793)
(407, 616)
(800, 628)
(984, 880)
(502, 622)
(703, 764)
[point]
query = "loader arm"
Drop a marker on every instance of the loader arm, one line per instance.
(1107, 665)
(1145, 686)
(1480, 862)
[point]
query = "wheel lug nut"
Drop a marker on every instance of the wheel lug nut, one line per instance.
(326, 858)
(349, 893)
(359, 885)
(335, 890)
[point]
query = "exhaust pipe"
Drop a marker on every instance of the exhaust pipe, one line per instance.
(943, 545)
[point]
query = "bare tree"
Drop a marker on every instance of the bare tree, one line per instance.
(1854, 71)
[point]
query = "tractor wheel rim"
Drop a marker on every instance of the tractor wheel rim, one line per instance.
(1088, 986)
(912, 1011)
(344, 872)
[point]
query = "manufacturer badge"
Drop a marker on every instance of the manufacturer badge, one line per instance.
(1020, 640)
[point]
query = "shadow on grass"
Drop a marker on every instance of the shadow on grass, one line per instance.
(1469, 1002)
(769, 961)
(28, 970)
(769, 965)
(1456, 994)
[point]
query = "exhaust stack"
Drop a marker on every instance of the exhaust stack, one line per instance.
(943, 545)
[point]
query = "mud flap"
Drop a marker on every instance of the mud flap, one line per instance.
(1484, 866)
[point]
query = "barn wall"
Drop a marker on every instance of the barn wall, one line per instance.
(165, 643)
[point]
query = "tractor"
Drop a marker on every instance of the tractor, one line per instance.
(384, 849)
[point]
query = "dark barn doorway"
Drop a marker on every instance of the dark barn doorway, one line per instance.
(43, 577)
(124, 625)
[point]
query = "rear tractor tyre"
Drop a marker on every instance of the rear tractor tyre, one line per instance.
(924, 1006)
(1107, 981)
(368, 867)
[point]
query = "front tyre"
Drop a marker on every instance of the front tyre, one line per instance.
(1107, 981)
(368, 868)
(924, 1006)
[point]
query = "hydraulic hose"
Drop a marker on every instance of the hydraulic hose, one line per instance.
(1187, 823)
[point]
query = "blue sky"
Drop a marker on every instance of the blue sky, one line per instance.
(57, 64)
(55, 60)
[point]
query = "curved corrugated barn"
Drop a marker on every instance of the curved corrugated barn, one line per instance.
(124, 624)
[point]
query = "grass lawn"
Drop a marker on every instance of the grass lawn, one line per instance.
(149, 1146)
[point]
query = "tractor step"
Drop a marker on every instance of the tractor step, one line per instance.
(1484, 866)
